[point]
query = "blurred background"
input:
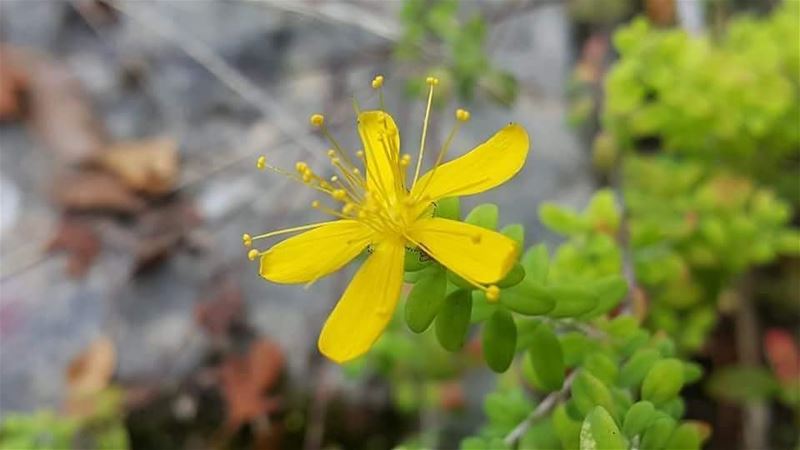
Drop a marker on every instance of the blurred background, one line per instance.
(128, 136)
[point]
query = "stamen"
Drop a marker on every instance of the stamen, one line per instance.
(317, 120)
(261, 163)
(462, 115)
(253, 254)
(291, 230)
(493, 294)
(377, 84)
(247, 240)
(431, 82)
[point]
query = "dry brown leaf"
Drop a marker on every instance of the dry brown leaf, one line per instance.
(161, 229)
(79, 240)
(219, 312)
(62, 114)
(149, 166)
(95, 191)
(245, 381)
(661, 12)
(13, 84)
(90, 372)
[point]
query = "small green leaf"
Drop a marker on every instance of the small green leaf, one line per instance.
(656, 435)
(663, 381)
(568, 430)
(529, 297)
(692, 372)
(742, 384)
(516, 232)
(599, 432)
(449, 208)
(499, 340)
(485, 215)
(685, 437)
(636, 368)
(416, 260)
(609, 291)
(513, 278)
(547, 358)
(452, 322)
(602, 367)
(561, 220)
(675, 408)
(571, 300)
(536, 262)
(638, 418)
(459, 282)
(425, 300)
(588, 392)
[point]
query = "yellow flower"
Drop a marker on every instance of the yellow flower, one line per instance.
(383, 212)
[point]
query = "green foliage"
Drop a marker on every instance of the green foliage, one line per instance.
(432, 31)
(732, 102)
(600, 381)
(96, 424)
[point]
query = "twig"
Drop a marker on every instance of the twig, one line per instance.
(541, 410)
(257, 97)
(342, 13)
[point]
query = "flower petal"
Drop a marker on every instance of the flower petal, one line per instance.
(366, 306)
(473, 252)
(381, 141)
(486, 166)
(316, 253)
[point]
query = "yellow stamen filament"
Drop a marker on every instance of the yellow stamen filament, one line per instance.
(431, 82)
(461, 116)
(291, 230)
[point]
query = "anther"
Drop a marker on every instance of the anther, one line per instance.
(493, 293)
(252, 254)
(331, 153)
(462, 115)
(317, 120)
(405, 160)
(360, 154)
(247, 240)
(377, 82)
(301, 167)
(261, 163)
(339, 194)
(315, 204)
(348, 208)
(432, 81)
(334, 179)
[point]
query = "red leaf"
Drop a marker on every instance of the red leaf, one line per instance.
(783, 354)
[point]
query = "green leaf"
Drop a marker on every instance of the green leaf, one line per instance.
(636, 368)
(588, 392)
(599, 432)
(571, 300)
(499, 340)
(742, 384)
(459, 282)
(416, 260)
(602, 367)
(675, 408)
(536, 262)
(602, 212)
(529, 297)
(547, 358)
(609, 291)
(449, 208)
(638, 418)
(692, 372)
(560, 219)
(656, 435)
(663, 381)
(685, 437)
(516, 232)
(452, 322)
(482, 308)
(485, 215)
(425, 300)
(513, 278)
(568, 430)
